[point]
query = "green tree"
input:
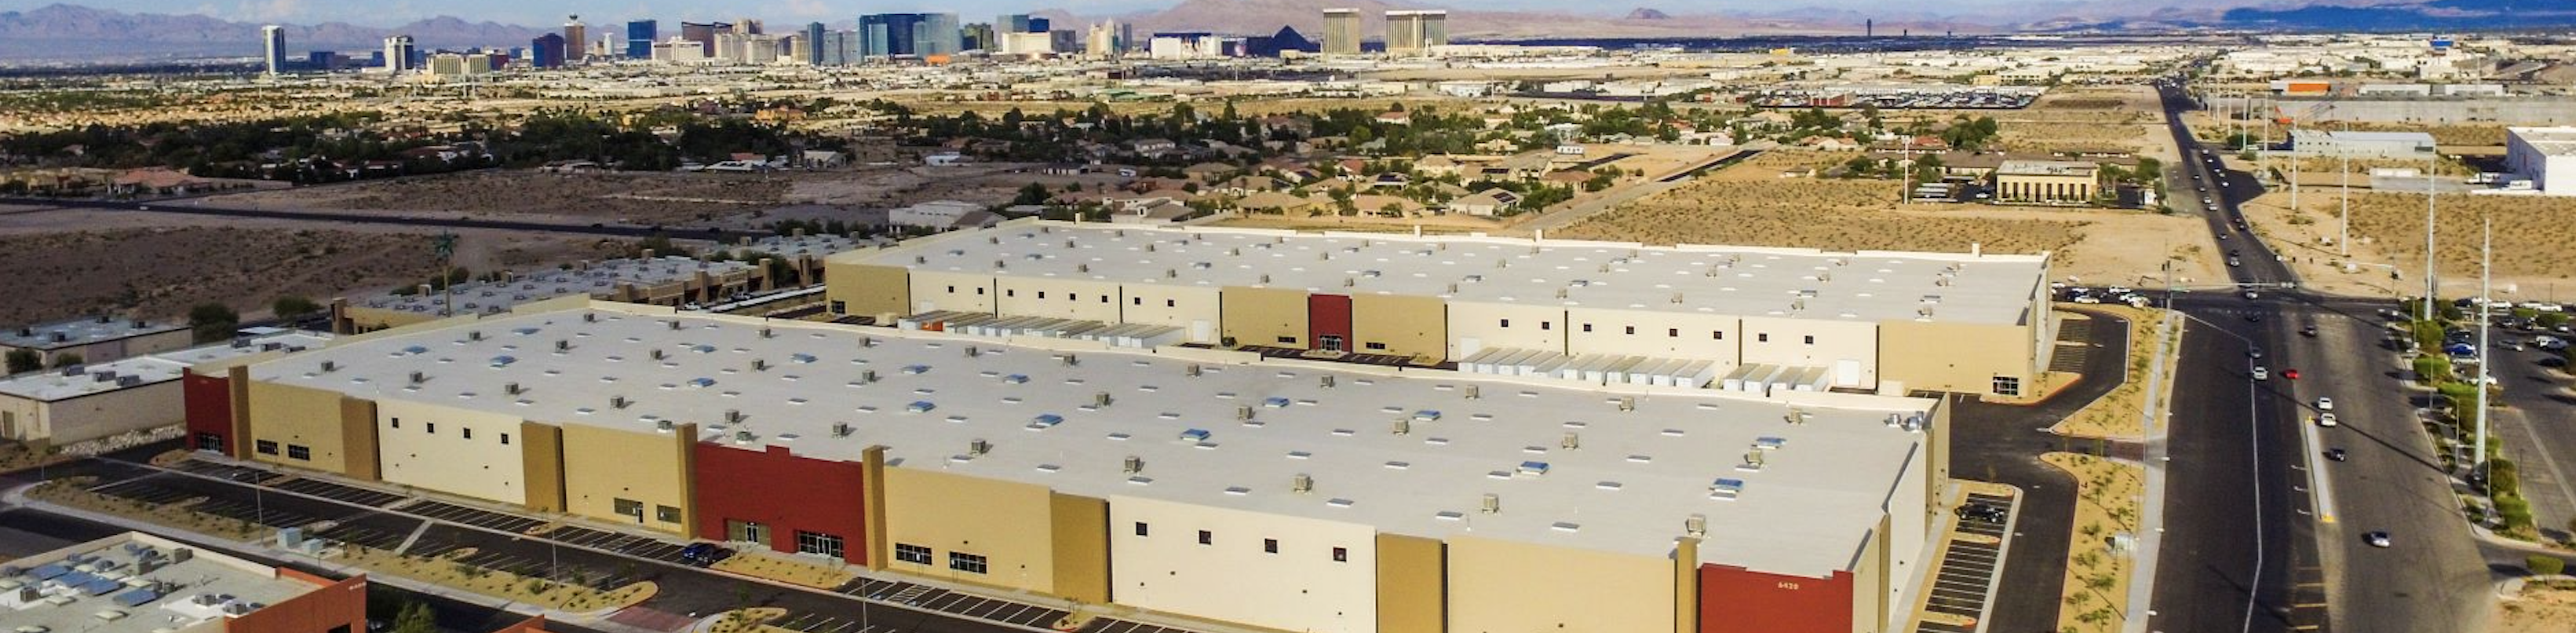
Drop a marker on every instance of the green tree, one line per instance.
(67, 359)
(25, 360)
(2544, 564)
(415, 618)
(213, 321)
(1034, 193)
(291, 306)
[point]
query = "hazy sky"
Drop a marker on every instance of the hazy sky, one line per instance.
(389, 12)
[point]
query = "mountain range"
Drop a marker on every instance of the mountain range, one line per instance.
(67, 31)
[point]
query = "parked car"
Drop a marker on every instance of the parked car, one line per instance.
(704, 554)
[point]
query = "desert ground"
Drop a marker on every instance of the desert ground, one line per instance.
(1750, 204)
(2542, 607)
(2532, 234)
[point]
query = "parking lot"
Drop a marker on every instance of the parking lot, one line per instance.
(628, 544)
(1106, 625)
(226, 500)
(337, 492)
(1965, 582)
(485, 519)
(945, 601)
(819, 623)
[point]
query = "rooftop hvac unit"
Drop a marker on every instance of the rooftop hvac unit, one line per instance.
(1243, 413)
(1605, 268)
(562, 346)
(993, 239)
(675, 325)
(1133, 465)
(1502, 263)
(867, 376)
(1492, 504)
(1560, 293)
(768, 333)
(1326, 381)
(1571, 441)
(1100, 399)
(330, 366)
(742, 437)
(511, 388)
(1475, 392)
(840, 429)
(1349, 282)
(1171, 273)
(1402, 426)
(1302, 483)
(1696, 525)
(1193, 370)
(1677, 297)
(999, 264)
(1070, 360)
(919, 260)
(1323, 256)
(473, 335)
(417, 378)
(973, 351)
(867, 341)
(665, 425)
(1753, 459)
(590, 317)
(733, 416)
(128, 381)
(1080, 268)
(978, 447)
(617, 402)
(759, 364)
(657, 354)
(1627, 403)
(1265, 278)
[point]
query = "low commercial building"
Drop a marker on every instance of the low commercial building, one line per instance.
(1284, 494)
(2047, 182)
(85, 402)
(1883, 321)
(666, 281)
(96, 339)
(2543, 155)
(139, 583)
(2337, 144)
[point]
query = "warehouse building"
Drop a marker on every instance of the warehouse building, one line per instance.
(2047, 182)
(2334, 144)
(85, 402)
(2542, 155)
(665, 281)
(139, 583)
(1882, 321)
(96, 339)
(1277, 493)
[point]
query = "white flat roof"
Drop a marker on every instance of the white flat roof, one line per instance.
(599, 279)
(88, 582)
(1869, 286)
(81, 331)
(1629, 487)
(97, 378)
(2552, 141)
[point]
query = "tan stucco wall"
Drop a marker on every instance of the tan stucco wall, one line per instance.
(602, 465)
(366, 318)
(868, 290)
(1004, 522)
(1406, 325)
(1194, 310)
(1871, 583)
(288, 414)
(1956, 357)
(97, 415)
(465, 454)
(1479, 326)
(1232, 577)
(541, 455)
(1709, 337)
(1836, 342)
(1056, 298)
(1509, 587)
(1412, 593)
(1081, 528)
(958, 292)
(1264, 316)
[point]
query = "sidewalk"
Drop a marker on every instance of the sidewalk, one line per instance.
(2151, 521)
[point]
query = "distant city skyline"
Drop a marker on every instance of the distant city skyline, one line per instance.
(799, 11)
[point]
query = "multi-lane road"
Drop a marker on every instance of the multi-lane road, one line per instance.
(2264, 532)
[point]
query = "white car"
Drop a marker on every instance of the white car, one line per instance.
(2376, 539)
(2325, 404)
(2088, 299)
(2326, 420)
(2262, 373)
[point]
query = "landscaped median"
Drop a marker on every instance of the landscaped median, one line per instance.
(2119, 415)
(2107, 518)
(2502, 508)
(752, 620)
(74, 492)
(782, 568)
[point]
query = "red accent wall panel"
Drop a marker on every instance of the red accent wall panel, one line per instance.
(1328, 315)
(336, 606)
(210, 409)
(786, 493)
(1738, 600)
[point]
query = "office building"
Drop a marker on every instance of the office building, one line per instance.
(1275, 493)
(1341, 31)
(1013, 23)
(812, 43)
(1410, 33)
(979, 36)
(888, 34)
(272, 39)
(548, 51)
(640, 35)
(95, 340)
(576, 41)
(704, 35)
(840, 48)
(938, 34)
(747, 26)
(1103, 41)
(140, 583)
(401, 55)
(2047, 182)
(141, 393)
(2542, 155)
(1734, 317)
(1041, 25)
(681, 51)
(2335, 144)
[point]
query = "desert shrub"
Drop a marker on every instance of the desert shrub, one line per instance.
(2544, 565)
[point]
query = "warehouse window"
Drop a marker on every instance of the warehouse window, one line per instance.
(979, 292)
(1672, 332)
(1587, 327)
(1270, 546)
(1010, 293)
(818, 543)
(1811, 339)
(965, 562)
(2007, 386)
(666, 514)
(1041, 294)
(468, 431)
(397, 423)
(430, 428)
(505, 439)
(840, 307)
(1288, 340)
(914, 554)
(1717, 335)
(267, 447)
(299, 451)
(1631, 330)
(1104, 298)
(627, 507)
(1207, 537)
(1137, 300)
(1341, 554)
(1507, 323)
(1545, 325)
(1072, 297)
(1376, 346)
(1141, 529)
(1762, 338)
(1171, 303)
(952, 290)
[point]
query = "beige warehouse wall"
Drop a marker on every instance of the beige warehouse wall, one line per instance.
(288, 414)
(1004, 522)
(1081, 528)
(365, 318)
(1908, 526)
(448, 449)
(23, 419)
(602, 465)
(1056, 298)
(1873, 584)
(960, 292)
(1500, 586)
(868, 290)
(1837, 342)
(1955, 357)
(541, 457)
(1659, 334)
(1193, 309)
(1265, 316)
(1404, 325)
(1412, 590)
(1233, 577)
(1475, 327)
(100, 415)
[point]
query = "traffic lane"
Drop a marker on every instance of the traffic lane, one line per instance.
(2216, 504)
(2432, 579)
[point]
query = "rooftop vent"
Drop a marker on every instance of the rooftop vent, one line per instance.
(867, 341)
(617, 402)
(1302, 483)
(978, 447)
(733, 416)
(1402, 426)
(1327, 381)
(1193, 370)
(1492, 504)
(330, 366)
(658, 354)
(512, 389)
(418, 377)
(1696, 526)
(1571, 441)
(1133, 465)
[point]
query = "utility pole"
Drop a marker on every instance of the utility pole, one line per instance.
(2344, 241)
(2429, 287)
(2486, 263)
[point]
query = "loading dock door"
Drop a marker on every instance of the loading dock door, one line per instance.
(1202, 332)
(1847, 373)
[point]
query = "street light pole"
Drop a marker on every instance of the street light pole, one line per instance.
(2486, 264)
(2429, 288)
(2345, 241)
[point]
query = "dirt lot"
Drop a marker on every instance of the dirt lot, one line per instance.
(159, 266)
(2542, 608)
(1750, 204)
(643, 199)
(2532, 261)
(993, 183)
